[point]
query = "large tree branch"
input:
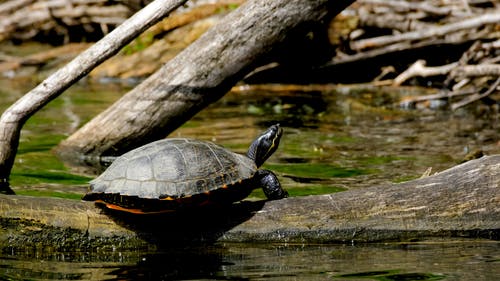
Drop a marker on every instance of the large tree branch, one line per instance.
(198, 76)
(15, 116)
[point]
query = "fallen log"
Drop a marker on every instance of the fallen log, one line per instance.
(463, 201)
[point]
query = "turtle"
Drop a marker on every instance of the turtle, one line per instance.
(181, 173)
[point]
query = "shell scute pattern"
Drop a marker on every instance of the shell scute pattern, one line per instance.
(174, 168)
(141, 171)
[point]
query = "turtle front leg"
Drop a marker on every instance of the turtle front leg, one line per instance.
(270, 184)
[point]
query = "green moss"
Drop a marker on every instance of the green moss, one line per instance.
(191, 124)
(227, 8)
(139, 44)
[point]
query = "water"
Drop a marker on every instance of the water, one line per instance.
(336, 138)
(397, 262)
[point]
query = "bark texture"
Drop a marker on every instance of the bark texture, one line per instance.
(463, 201)
(198, 76)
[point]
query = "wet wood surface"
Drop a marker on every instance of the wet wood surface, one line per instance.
(463, 201)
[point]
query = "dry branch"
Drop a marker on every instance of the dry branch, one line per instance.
(477, 96)
(41, 58)
(391, 21)
(11, 6)
(475, 22)
(476, 70)
(405, 6)
(420, 69)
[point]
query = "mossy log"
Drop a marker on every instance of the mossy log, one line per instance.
(463, 201)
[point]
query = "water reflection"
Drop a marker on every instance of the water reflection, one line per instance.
(423, 261)
(334, 139)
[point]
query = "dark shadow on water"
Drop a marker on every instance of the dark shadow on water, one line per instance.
(393, 276)
(184, 249)
(177, 264)
(202, 225)
(187, 263)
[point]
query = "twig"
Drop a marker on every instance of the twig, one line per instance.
(476, 70)
(402, 23)
(11, 6)
(476, 97)
(419, 6)
(475, 22)
(419, 69)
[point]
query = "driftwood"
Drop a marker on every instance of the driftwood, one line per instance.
(140, 58)
(41, 58)
(378, 35)
(25, 19)
(463, 202)
(417, 25)
(479, 63)
(15, 116)
(411, 29)
(468, 24)
(198, 76)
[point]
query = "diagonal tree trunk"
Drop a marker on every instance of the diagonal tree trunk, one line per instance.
(198, 76)
(15, 116)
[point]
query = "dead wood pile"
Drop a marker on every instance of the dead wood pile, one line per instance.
(441, 28)
(453, 45)
(142, 57)
(22, 20)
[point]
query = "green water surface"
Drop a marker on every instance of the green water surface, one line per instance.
(335, 139)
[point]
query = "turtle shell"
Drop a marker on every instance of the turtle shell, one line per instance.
(170, 174)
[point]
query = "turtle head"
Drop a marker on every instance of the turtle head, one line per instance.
(265, 145)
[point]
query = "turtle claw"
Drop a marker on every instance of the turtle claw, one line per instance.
(270, 185)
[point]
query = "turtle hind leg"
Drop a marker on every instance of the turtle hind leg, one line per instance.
(270, 185)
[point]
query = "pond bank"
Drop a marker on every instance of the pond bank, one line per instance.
(463, 201)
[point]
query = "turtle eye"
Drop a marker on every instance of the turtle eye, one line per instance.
(265, 145)
(274, 141)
